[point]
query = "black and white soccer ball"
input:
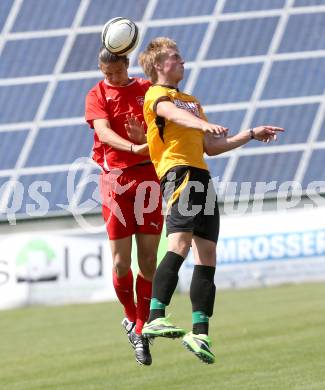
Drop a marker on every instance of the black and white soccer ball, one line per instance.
(120, 36)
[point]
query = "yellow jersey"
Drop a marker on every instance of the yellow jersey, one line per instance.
(171, 144)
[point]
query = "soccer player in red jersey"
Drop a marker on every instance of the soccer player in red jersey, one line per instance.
(131, 206)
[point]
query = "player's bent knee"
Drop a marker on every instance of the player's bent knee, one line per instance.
(148, 267)
(210, 261)
(121, 268)
(181, 249)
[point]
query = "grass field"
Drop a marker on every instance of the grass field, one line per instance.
(270, 338)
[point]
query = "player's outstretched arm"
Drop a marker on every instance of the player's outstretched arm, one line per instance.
(168, 110)
(216, 145)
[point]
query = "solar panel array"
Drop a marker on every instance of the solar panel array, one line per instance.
(249, 62)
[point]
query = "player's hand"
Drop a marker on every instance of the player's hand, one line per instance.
(135, 129)
(142, 149)
(215, 129)
(266, 133)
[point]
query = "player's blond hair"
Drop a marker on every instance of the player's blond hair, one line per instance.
(155, 52)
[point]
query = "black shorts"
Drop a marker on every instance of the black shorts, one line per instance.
(191, 202)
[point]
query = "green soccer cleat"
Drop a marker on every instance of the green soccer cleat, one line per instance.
(161, 327)
(200, 345)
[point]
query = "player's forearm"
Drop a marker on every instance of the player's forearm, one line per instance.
(214, 145)
(186, 119)
(179, 116)
(109, 137)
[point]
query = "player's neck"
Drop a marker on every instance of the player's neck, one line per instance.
(167, 82)
(122, 84)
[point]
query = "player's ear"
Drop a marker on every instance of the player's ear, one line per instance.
(157, 65)
(127, 62)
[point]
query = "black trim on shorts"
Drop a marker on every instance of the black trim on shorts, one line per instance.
(205, 223)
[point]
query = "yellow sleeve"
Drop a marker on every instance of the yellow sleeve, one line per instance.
(155, 94)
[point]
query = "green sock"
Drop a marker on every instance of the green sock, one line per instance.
(199, 316)
(157, 309)
(155, 304)
(200, 322)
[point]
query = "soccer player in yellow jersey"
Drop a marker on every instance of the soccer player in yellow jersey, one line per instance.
(178, 135)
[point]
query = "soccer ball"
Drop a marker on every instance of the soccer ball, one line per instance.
(120, 36)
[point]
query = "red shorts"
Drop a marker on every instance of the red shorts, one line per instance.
(131, 201)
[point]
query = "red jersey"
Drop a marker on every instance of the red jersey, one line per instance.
(104, 101)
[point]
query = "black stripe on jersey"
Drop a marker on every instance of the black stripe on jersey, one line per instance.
(160, 99)
(160, 121)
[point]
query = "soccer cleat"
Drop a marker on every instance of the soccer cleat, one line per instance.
(200, 345)
(141, 348)
(138, 342)
(127, 325)
(161, 327)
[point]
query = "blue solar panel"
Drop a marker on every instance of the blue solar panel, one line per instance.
(321, 136)
(227, 83)
(233, 82)
(296, 120)
(230, 119)
(53, 193)
(100, 11)
(3, 182)
(266, 168)
(5, 6)
(78, 61)
(10, 147)
(303, 3)
(304, 32)
(184, 34)
(32, 57)
(241, 38)
(182, 84)
(45, 15)
(19, 103)
(3, 185)
(252, 5)
(313, 173)
(69, 98)
(217, 166)
(296, 78)
(60, 145)
(172, 8)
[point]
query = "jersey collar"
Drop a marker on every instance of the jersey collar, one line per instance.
(132, 81)
(168, 86)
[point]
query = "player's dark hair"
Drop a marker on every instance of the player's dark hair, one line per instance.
(106, 57)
